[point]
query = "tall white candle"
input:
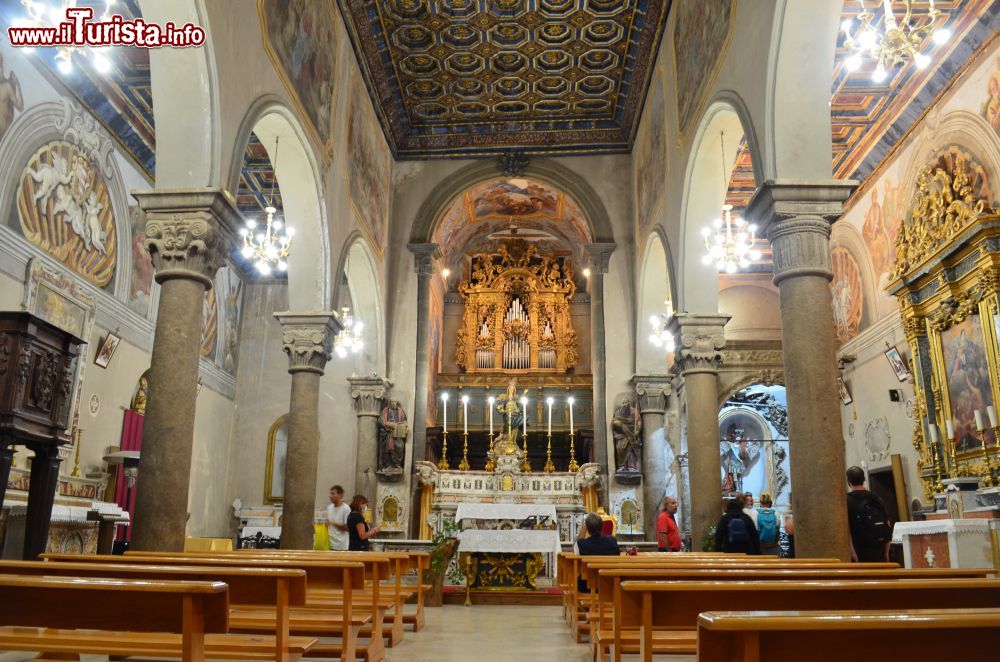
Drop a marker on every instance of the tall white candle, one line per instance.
(549, 403)
(491, 400)
(991, 412)
(934, 433)
(524, 418)
(571, 401)
(444, 400)
(949, 429)
(465, 414)
(979, 419)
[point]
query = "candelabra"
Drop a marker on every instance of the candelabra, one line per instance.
(76, 464)
(490, 464)
(443, 462)
(996, 449)
(464, 464)
(526, 465)
(573, 466)
(549, 466)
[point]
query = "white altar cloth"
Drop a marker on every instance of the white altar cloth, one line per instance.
(511, 541)
(498, 511)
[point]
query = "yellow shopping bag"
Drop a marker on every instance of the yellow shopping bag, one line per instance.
(321, 537)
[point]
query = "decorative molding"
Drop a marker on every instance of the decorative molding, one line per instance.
(308, 339)
(700, 341)
(368, 394)
(423, 257)
(599, 255)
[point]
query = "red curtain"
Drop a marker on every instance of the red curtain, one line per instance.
(131, 441)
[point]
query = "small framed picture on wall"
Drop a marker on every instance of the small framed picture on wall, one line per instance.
(898, 364)
(107, 349)
(845, 395)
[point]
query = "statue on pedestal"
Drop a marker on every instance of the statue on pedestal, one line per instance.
(392, 432)
(626, 429)
(510, 412)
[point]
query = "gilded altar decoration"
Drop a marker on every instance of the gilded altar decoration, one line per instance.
(65, 210)
(517, 315)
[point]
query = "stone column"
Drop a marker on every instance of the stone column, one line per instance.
(652, 392)
(599, 259)
(369, 398)
(423, 264)
(189, 234)
(700, 339)
(307, 339)
(796, 216)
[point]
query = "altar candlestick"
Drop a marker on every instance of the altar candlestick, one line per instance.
(465, 414)
(991, 412)
(979, 420)
(549, 402)
(491, 400)
(570, 401)
(444, 400)
(524, 419)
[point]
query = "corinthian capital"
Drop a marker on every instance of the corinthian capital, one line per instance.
(700, 341)
(652, 392)
(368, 394)
(189, 232)
(308, 339)
(423, 257)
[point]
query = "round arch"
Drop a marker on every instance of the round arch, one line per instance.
(185, 92)
(357, 264)
(304, 207)
(543, 170)
(706, 180)
(655, 287)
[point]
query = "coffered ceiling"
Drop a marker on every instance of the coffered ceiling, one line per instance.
(474, 77)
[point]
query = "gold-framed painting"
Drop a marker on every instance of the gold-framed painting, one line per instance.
(277, 450)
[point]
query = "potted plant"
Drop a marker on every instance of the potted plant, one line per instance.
(443, 547)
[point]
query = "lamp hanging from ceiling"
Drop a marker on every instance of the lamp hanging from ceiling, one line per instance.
(44, 15)
(268, 247)
(730, 241)
(895, 42)
(349, 340)
(660, 335)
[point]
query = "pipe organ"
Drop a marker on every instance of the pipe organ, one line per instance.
(516, 316)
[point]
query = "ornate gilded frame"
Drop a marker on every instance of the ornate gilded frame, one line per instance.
(272, 434)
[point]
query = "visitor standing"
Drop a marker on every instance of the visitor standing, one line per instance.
(668, 536)
(357, 528)
(871, 530)
(336, 520)
(748, 507)
(735, 532)
(767, 526)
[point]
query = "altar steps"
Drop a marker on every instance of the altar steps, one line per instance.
(543, 596)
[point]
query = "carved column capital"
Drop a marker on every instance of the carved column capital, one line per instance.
(189, 232)
(653, 392)
(700, 341)
(599, 256)
(308, 339)
(796, 216)
(368, 394)
(423, 258)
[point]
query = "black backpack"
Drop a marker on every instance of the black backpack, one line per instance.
(871, 523)
(737, 535)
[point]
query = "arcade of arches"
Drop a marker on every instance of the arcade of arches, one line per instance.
(495, 294)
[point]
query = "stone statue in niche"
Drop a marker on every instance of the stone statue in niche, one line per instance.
(392, 432)
(626, 429)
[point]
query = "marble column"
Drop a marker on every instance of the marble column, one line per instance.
(700, 339)
(423, 264)
(368, 394)
(599, 258)
(307, 339)
(652, 392)
(189, 234)
(796, 217)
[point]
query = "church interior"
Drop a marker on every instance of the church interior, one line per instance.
(365, 329)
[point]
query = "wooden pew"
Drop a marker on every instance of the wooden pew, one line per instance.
(275, 587)
(825, 636)
(44, 614)
(608, 633)
(341, 620)
(666, 613)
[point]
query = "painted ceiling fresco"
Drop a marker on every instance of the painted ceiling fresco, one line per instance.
(483, 76)
(534, 210)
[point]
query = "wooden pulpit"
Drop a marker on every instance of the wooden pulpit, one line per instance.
(37, 369)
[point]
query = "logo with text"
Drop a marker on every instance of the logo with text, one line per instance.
(79, 29)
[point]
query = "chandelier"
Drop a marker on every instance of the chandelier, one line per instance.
(42, 15)
(730, 241)
(895, 43)
(349, 340)
(268, 247)
(660, 336)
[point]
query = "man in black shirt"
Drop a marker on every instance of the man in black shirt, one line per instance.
(871, 530)
(594, 544)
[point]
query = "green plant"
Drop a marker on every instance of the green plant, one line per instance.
(708, 541)
(443, 546)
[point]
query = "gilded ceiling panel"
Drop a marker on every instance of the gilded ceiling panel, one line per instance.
(473, 77)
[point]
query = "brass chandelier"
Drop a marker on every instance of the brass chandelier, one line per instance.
(268, 247)
(730, 241)
(895, 42)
